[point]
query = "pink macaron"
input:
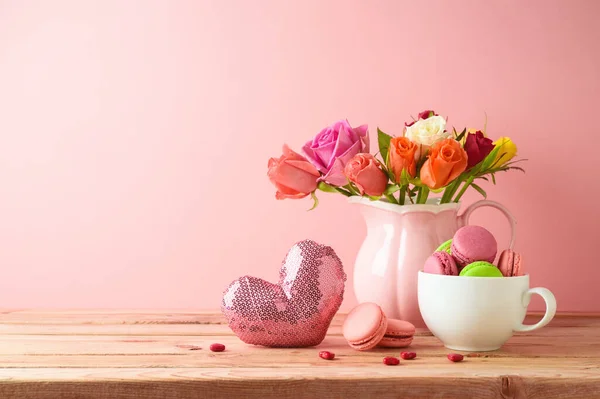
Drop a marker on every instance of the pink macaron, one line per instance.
(398, 334)
(473, 243)
(366, 327)
(510, 263)
(441, 262)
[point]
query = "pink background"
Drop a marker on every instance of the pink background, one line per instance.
(135, 134)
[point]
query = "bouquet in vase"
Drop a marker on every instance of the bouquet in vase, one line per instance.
(427, 158)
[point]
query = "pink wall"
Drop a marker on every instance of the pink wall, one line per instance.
(135, 134)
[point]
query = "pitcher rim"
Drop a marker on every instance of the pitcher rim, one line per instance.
(432, 205)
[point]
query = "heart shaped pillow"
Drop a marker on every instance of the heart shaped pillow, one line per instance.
(297, 311)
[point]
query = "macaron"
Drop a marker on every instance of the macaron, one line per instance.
(441, 262)
(398, 334)
(446, 246)
(365, 326)
(510, 263)
(481, 269)
(473, 243)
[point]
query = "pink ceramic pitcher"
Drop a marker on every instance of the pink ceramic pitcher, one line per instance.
(399, 240)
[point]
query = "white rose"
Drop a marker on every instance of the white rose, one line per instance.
(427, 131)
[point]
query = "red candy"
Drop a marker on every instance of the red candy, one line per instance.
(326, 355)
(217, 347)
(455, 357)
(391, 361)
(408, 355)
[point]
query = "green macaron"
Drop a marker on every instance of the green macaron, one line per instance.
(445, 247)
(481, 269)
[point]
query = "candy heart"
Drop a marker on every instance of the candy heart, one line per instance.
(297, 311)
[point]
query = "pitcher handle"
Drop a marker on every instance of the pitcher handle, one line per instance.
(464, 218)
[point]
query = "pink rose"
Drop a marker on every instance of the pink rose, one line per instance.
(333, 147)
(365, 172)
(477, 147)
(293, 175)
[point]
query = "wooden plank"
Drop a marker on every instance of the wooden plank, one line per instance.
(51, 351)
(554, 329)
(387, 382)
(551, 366)
(164, 354)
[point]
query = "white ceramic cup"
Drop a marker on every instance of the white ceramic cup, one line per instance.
(478, 313)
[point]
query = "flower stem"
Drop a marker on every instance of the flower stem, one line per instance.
(422, 195)
(464, 188)
(402, 196)
(447, 192)
(424, 192)
(450, 191)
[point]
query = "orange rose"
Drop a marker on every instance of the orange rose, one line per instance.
(402, 156)
(445, 162)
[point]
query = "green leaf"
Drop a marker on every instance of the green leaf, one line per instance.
(514, 162)
(483, 178)
(461, 135)
(391, 189)
(343, 192)
(388, 173)
(416, 181)
(487, 162)
(499, 160)
(326, 187)
(517, 168)
(383, 139)
(479, 190)
(493, 178)
(315, 199)
(390, 198)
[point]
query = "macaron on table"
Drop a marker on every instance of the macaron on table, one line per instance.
(366, 327)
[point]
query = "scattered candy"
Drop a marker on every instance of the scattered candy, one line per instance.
(455, 357)
(326, 355)
(217, 347)
(408, 355)
(391, 361)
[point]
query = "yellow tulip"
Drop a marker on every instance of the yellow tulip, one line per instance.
(507, 151)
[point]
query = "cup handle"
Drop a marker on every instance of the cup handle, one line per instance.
(550, 308)
(493, 204)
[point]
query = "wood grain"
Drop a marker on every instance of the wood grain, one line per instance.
(164, 354)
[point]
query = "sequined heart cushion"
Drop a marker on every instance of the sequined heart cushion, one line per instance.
(297, 311)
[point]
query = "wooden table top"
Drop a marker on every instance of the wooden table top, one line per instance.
(164, 354)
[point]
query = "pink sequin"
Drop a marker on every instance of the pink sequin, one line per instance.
(297, 311)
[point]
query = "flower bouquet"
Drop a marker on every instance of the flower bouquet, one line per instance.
(427, 158)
